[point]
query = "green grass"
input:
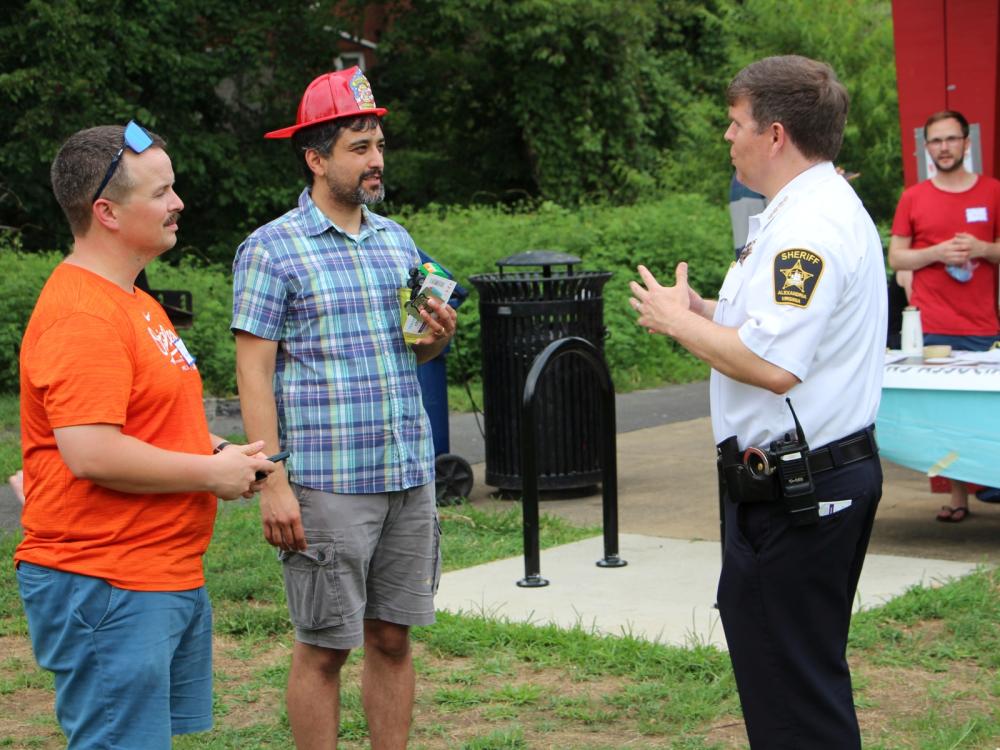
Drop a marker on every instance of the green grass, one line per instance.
(485, 682)
(470, 536)
(467, 397)
(244, 576)
(10, 436)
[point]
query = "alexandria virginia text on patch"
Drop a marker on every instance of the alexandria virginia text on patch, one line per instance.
(796, 274)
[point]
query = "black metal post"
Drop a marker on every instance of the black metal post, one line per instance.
(569, 346)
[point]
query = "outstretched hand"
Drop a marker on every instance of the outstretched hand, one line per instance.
(659, 306)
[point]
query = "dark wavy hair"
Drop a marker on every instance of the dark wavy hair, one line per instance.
(323, 137)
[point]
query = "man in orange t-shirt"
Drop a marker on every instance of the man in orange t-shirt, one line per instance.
(121, 472)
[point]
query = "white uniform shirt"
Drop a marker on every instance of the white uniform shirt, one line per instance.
(810, 297)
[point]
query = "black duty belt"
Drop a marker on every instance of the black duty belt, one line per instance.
(745, 485)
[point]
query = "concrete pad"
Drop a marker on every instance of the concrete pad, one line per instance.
(667, 487)
(665, 593)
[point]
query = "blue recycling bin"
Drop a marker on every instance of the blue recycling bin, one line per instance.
(453, 477)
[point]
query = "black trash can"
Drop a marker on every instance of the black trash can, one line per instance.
(521, 312)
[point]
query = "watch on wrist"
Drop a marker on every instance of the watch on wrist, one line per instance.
(220, 447)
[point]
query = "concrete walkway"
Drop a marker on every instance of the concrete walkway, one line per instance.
(668, 517)
(665, 593)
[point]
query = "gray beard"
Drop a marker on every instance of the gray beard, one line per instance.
(363, 198)
(356, 196)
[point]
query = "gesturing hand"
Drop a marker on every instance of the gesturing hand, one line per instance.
(659, 306)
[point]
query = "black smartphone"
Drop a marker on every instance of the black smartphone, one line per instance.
(280, 456)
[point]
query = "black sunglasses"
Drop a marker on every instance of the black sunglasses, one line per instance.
(137, 139)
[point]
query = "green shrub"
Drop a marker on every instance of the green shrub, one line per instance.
(658, 234)
(209, 339)
(856, 39)
(22, 279)
(468, 241)
(562, 99)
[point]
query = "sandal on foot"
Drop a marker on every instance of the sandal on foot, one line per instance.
(945, 513)
(949, 514)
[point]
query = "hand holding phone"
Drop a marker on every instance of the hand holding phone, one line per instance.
(280, 456)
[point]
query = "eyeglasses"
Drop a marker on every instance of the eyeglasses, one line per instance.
(951, 140)
(137, 139)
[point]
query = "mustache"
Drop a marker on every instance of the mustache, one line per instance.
(172, 219)
(371, 173)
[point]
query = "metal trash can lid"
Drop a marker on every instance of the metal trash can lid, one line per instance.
(544, 258)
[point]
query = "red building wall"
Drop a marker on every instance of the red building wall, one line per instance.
(947, 57)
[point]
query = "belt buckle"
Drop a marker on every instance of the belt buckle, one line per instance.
(757, 463)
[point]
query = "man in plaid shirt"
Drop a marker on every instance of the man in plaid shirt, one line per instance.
(324, 372)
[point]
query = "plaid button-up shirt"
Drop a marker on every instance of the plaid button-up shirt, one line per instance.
(349, 403)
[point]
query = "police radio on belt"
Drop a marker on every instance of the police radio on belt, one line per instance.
(795, 480)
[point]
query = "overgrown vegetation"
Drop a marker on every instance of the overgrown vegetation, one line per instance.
(514, 126)
(546, 97)
(855, 37)
(468, 241)
(490, 100)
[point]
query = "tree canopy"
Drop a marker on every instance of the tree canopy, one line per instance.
(210, 76)
(490, 100)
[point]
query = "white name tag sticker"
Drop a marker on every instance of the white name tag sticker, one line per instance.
(830, 507)
(976, 215)
(183, 351)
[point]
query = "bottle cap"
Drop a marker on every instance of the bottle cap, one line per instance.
(430, 267)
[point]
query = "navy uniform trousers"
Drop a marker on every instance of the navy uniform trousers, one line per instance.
(785, 596)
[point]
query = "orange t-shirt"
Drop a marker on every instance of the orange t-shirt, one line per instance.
(94, 354)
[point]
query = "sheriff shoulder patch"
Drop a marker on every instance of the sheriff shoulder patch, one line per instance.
(796, 274)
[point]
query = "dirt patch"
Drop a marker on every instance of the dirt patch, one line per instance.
(245, 701)
(27, 713)
(458, 699)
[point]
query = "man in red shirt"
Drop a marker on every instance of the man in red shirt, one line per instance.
(946, 232)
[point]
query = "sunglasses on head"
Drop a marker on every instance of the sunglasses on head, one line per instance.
(137, 139)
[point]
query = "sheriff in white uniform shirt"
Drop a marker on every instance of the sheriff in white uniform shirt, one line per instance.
(801, 316)
(808, 295)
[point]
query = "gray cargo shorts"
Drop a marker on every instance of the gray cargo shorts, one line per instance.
(374, 557)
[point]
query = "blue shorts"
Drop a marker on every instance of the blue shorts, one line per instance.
(132, 668)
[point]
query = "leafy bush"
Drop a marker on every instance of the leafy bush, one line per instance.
(468, 241)
(209, 339)
(491, 100)
(22, 279)
(856, 39)
(210, 76)
(658, 234)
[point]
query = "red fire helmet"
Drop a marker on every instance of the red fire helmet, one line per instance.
(342, 93)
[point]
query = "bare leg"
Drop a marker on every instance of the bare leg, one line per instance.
(959, 494)
(387, 684)
(313, 696)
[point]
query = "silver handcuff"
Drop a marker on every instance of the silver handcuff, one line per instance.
(757, 462)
